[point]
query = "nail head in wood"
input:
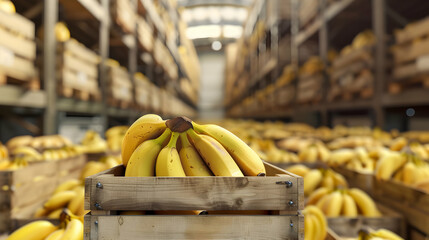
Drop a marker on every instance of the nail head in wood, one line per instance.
(98, 206)
(290, 202)
(99, 185)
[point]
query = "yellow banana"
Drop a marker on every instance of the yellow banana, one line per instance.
(341, 156)
(349, 206)
(37, 230)
(385, 234)
(387, 165)
(334, 204)
(308, 154)
(192, 163)
(215, 155)
(328, 181)
(311, 180)
(55, 214)
(27, 151)
(364, 203)
(309, 228)
(142, 161)
(322, 202)
(339, 180)
(408, 172)
(298, 169)
(423, 185)
(56, 235)
(323, 152)
(73, 231)
(247, 159)
(398, 144)
(40, 212)
(317, 226)
(313, 210)
(92, 168)
(59, 200)
(67, 185)
(168, 162)
(317, 195)
(77, 201)
(115, 131)
(146, 127)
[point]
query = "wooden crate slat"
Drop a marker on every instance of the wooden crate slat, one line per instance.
(17, 23)
(411, 32)
(80, 51)
(209, 193)
(362, 54)
(72, 80)
(364, 181)
(352, 68)
(410, 52)
(20, 46)
(75, 64)
(20, 68)
(194, 227)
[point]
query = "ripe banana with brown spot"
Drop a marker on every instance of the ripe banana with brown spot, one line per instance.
(168, 163)
(192, 163)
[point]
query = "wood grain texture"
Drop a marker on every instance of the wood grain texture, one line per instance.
(193, 227)
(190, 193)
(356, 179)
(80, 51)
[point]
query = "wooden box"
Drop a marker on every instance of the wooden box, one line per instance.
(142, 92)
(308, 10)
(108, 191)
(350, 227)
(309, 88)
(145, 34)
(24, 190)
(77, 71)
(411, 57)
(120, 88)
(364, 181)
(411, 202)
(17, 51)
(124, 15)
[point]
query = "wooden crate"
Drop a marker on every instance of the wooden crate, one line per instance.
(145, 34)
(309, 88)
(364, 181)
(24, 190)
(142, 92)
(124, 15)
(77, 71)
(412, 203)
(17, 51)
(308, 10)
(350, 227)
(120, 88)
(108, 191)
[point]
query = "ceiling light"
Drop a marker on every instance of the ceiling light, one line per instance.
(216, 45)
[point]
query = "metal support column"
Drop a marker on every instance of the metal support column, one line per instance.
(323, 52)
(379, 28)
(132, 58)
(104, 53)
(294, 30)
(49, 20)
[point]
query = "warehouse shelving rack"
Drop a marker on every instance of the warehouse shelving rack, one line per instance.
(50, 107)
(379, 15)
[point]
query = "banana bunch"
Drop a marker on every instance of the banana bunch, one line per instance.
(380, 234)
(318, 178)
(70, 228)
(295, 144)
(93, 143)
(267, 149)
(345, 202)
(359, 159)
(314, 152)
(367, 142)
(70, 195)
(94, 167)
(14, 164)
(406, 168)
(61, 153)
(114, 136)
(315, 224)
(38, 143)
(4, 153)
(180, 147)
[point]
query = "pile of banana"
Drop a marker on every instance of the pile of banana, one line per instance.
(405, 168)
(114, 136)
(315, 225)
(70, 228)
(94, 167)
(70, 195)
(344, 202)
(267, 149)
(318, 178)
(180, 147)
(380, 234)
(39, 143)
(93, 143)
(314, 152)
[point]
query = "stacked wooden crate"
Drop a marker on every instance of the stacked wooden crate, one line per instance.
(119, 87)
(17, 51)
(124, 15)
(308, 10)
(142, 92)
(25, 190)
(108, 193)
(352, 75)
(145, 34)
(411, 57)
(310, 81)
(77, 71)
(162, 57)
(284, 87)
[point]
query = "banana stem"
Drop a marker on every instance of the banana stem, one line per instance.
(184, 140)
(192, 133)
(173, 140)
(163, 136)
